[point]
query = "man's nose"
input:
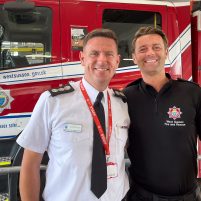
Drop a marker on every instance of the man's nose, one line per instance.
(150, 51)
(102, 57)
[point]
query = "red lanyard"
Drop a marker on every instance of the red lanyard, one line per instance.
(96, 119)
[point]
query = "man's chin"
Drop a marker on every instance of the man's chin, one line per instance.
(103, 81)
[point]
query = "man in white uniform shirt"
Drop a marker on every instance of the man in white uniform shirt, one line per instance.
(62, 124)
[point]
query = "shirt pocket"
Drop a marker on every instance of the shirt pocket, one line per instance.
(68, 144)
(121, 133)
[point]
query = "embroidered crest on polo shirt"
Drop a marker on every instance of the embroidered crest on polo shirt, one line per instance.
(174, 113)
(175, 117)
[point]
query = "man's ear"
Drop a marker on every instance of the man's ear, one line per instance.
(133, 57)
(167, 53)
(81, 55)
(118, 60)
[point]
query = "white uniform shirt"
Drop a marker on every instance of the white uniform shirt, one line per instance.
(63, 126)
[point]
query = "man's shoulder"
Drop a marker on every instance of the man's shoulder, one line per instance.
(134, 83)
(132, 86)
(189, 84)
(119, 94)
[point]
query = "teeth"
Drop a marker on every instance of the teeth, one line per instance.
(151, 61)
(101, 69)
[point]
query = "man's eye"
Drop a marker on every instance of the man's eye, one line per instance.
(142, 50)
(94, 54)
(109, 54)
(157, 48)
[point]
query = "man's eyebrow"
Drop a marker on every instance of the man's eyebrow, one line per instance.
(142, 46)
(157, 44)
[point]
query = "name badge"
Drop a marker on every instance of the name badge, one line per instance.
(73, 128)
(112, 170)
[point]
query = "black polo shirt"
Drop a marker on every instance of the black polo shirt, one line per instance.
(163, 135)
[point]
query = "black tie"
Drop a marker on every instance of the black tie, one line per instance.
(99, 169)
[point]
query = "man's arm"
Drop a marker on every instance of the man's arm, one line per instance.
(30, 176)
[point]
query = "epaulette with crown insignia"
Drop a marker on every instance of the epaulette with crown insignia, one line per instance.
(190, 82)
(61, 90)
(120, 94)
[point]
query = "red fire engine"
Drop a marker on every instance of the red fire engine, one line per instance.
(40, 42)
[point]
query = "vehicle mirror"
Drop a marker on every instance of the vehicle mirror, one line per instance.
(1, 32)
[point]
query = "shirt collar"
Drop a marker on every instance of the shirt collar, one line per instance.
(151, 90)
(92, 92)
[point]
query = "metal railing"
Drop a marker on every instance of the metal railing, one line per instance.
(15, 169)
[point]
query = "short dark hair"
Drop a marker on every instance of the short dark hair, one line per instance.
(106, 33)
(147, 31)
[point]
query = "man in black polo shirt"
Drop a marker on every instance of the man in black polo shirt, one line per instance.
(165, 123)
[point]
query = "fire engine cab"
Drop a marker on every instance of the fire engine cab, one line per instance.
(40, 42)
